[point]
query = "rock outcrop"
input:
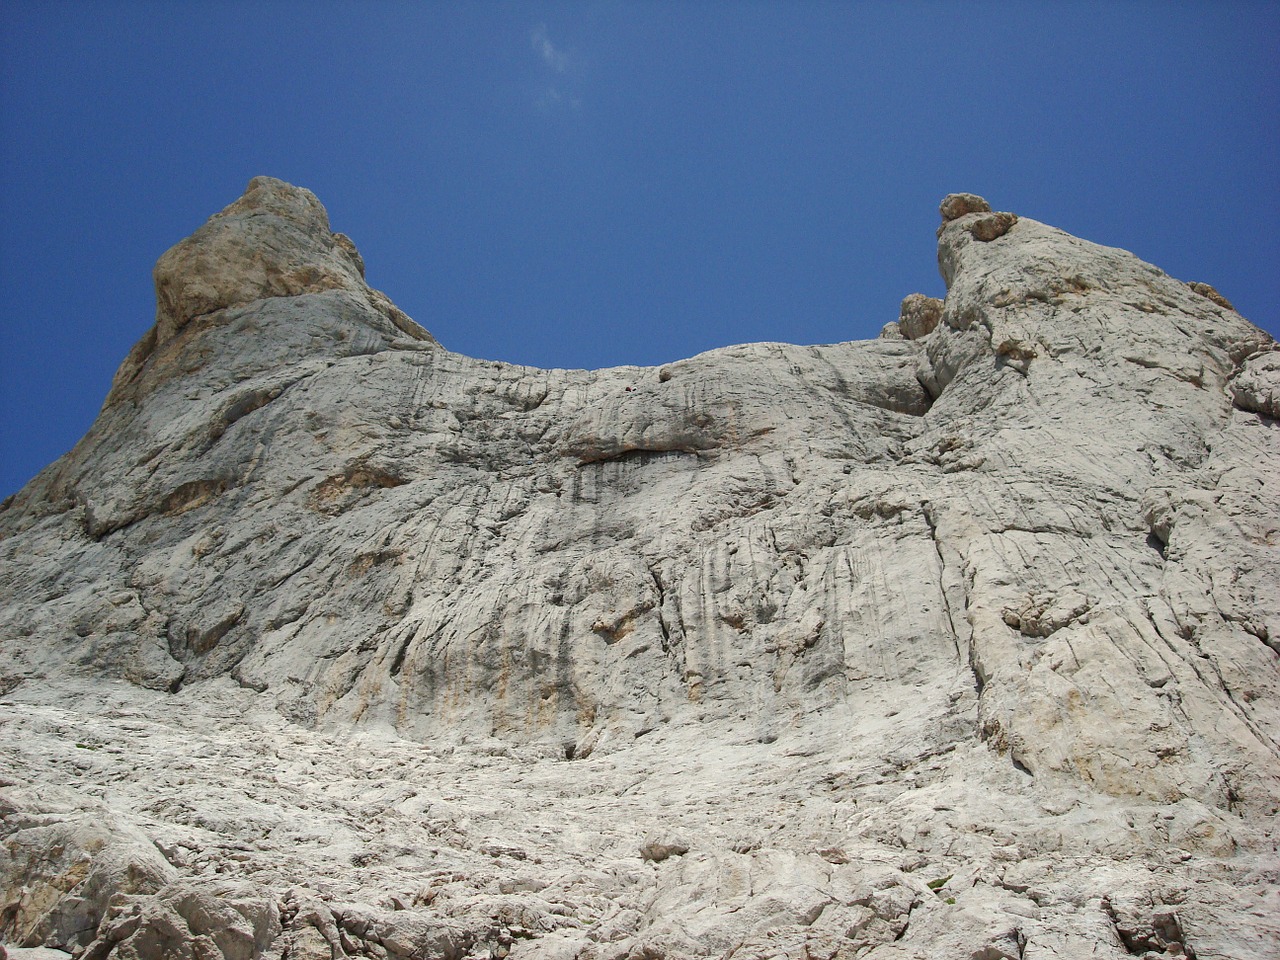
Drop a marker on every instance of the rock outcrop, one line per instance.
(919, 315)
(326, 641)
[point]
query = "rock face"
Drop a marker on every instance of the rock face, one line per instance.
(962, 642)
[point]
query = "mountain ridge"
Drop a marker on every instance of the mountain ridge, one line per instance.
(1030, 530)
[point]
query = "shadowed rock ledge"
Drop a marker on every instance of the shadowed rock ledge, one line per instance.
(963, 641)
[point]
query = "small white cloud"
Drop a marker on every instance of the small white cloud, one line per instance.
(542, 44)
(552, 99)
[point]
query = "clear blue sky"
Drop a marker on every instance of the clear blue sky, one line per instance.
(582, 185)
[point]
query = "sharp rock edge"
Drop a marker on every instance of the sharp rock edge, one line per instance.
(328, 642)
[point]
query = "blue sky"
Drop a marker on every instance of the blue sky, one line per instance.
(583, 185)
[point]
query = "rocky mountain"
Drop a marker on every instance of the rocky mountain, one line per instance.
(963, 642)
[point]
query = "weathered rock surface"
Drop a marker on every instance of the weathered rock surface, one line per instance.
(326, 641)
(956, 205)
(919, 315)
(1256, 387)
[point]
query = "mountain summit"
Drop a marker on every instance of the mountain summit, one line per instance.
(962, 642)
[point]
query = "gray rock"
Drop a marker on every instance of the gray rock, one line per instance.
(1256, 385)
(328, 641)
(188, 920)
(62, 868)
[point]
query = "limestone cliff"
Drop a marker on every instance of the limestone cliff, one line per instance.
(958, 642)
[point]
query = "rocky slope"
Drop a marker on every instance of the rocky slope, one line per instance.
(962, 642)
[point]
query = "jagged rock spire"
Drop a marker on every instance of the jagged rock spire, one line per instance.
(274, 241)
